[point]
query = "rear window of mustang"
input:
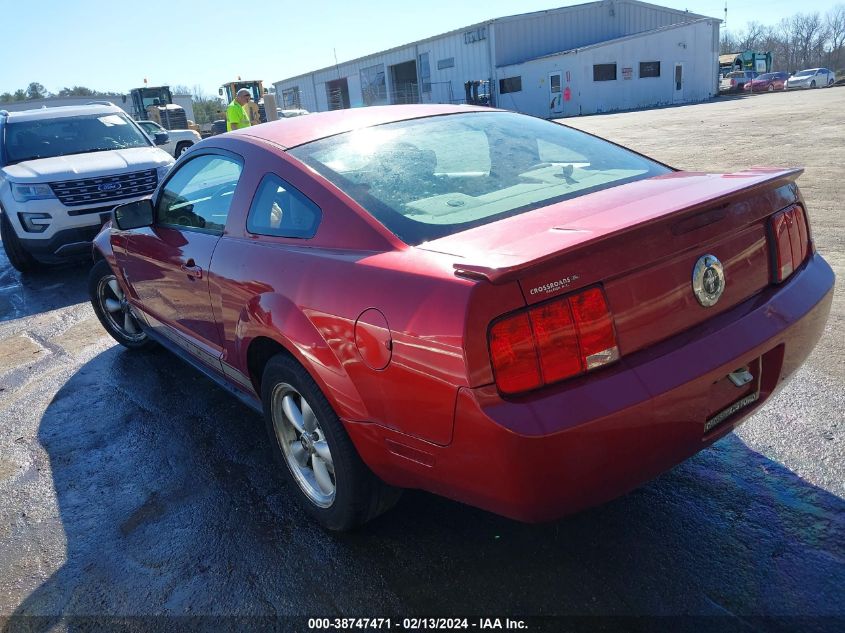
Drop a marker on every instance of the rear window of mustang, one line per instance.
(428, 178)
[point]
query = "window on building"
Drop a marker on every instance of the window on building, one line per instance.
(555, 79)
(510, 84)
(649, 69)
(373, 86)
(604, 72)
(449, 62)
(291, 98)
(425, 73)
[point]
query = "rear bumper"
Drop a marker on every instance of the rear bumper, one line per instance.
(592, 439)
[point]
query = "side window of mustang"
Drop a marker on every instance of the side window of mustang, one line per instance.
(199, 194)
(282, 210)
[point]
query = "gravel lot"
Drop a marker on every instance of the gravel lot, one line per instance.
(131, 486)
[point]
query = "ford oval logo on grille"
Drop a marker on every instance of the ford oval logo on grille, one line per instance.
(109, 186)
(708, 280)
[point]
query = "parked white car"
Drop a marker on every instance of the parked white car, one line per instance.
(62, 171)
(178, 140)
(811, 78)
(286, 114)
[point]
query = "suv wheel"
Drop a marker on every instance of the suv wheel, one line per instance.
(332, 483)
(112, 308)
(19, 257)
(181, 148)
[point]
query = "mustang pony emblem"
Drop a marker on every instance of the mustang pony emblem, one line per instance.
(708, 280)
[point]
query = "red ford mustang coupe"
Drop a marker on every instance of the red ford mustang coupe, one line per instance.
(485, 305)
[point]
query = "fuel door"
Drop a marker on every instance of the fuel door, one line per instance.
(373, 339)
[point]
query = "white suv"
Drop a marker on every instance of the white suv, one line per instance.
(62, 170)
(180, 140)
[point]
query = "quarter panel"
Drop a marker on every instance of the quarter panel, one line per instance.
(309, 298)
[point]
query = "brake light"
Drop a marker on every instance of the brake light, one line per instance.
(789, 241)
(552, 341)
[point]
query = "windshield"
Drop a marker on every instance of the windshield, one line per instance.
(805, 73)
(766, 77)
(432, 177)
(47, 138)
(155, 96)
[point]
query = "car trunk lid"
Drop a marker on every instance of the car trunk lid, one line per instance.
(641, 241)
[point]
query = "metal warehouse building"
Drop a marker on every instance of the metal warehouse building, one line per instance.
(587, 58)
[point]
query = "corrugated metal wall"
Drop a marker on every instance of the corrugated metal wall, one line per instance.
(470, 61)
(456, 58)
(693, 46)
(534, 35)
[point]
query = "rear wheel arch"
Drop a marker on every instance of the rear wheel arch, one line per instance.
(261, 349)
(272, 323)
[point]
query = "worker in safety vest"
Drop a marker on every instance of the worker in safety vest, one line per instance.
(236, 116)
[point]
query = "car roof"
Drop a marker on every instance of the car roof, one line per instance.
(304, 129)
(62, 111)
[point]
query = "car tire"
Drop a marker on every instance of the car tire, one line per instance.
(771, 88)
(830, 83)
(812, 84)
(20, 259)
(112, 308)
(330, 480)
(181, 148)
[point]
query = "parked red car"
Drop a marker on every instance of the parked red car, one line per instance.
(485, 305)
(767, 82)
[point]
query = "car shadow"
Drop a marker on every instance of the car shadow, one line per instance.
(41, 290)
(171, 504)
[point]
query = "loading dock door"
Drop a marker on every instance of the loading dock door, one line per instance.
(337, 94)
(403, 83)
(556, 93)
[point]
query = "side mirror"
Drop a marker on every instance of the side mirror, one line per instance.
(134, 215)
(161, 138)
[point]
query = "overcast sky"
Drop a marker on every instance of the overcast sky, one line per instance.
(112, 46)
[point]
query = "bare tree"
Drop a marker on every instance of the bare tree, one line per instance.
(808, 37)
(835, 22)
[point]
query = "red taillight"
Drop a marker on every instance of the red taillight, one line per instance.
(554, 332)
(595, 328)
(514, 354)
(552, 341)
(789, 240)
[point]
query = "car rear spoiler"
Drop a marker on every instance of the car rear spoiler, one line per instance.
(501, 268)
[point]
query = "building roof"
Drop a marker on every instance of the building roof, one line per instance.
(624, 38)
(507, 18)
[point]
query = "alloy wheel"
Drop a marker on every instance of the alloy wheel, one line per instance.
(115, 307)
(303, 444)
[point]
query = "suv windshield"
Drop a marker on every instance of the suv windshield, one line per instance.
(46, 138)
(428, 178)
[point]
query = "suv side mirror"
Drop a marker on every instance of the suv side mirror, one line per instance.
(134, 215)
(161, 138)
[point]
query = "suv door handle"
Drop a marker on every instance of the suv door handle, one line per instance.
(192, 270)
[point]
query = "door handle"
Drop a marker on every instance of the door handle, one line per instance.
(192, 270)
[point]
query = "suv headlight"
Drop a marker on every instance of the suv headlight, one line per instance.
(35, 222)
(25, 193)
